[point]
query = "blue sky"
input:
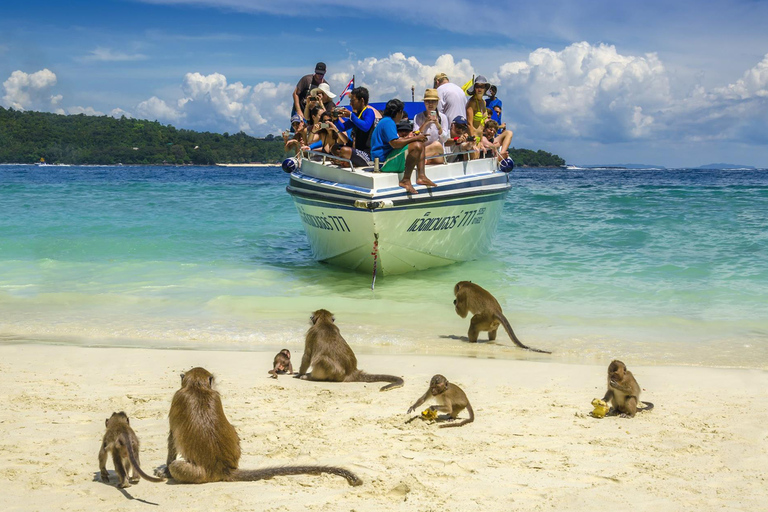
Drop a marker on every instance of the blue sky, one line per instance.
(669, 83)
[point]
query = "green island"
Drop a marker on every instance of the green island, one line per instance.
(29, 137)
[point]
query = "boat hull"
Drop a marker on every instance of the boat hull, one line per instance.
(381, 227)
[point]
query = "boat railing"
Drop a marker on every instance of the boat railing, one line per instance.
(310, 152)
(376, 164)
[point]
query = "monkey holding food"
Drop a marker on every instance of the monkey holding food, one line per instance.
(623, 391)
(331, 358)
(209, 444)
(451, 399)
(120, 440)
(282, 363)
(471, 298)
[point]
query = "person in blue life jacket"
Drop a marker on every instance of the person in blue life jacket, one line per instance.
(399, 154)
(361, 121)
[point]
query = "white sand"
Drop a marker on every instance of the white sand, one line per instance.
(532, 446)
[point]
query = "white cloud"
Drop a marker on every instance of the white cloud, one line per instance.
(155, 108)
(118, 113)
(25, 91)
(88, 111)
(108, 55)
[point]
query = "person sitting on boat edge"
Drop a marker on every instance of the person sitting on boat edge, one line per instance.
(298, 138)
(326, 135)
(459, 140)
(361, 121)
(494, 142)
(399, 154)
(434, 125)
(307, 83)
(477, 113)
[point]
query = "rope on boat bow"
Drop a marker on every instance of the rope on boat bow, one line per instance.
(375, 253)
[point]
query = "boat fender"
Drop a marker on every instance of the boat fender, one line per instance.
(506, 165)
(290, 164)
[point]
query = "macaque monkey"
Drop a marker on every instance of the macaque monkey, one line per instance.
(331, 358)
(623, 391)
(450, 398)
(282, 363)
(471, 298)
(120, 440)
(209, 444)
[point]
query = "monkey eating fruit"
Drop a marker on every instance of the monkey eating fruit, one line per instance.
(450, 398)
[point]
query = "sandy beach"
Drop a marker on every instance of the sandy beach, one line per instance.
(533, 445)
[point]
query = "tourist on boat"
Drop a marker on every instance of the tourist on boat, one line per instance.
(361, 121)
(298, 139)
(306, 84)
(493, 104)
(477, 113)
(496, 143)
(452, 100)
(459, 141)
(435, 125)
(399, 154)
(322, 97)
(325, 134)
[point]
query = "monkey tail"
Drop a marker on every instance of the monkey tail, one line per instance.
(132, 456)
(463, 422)
(501, 318)
(394, 382)
(648, 406)
(252, 475)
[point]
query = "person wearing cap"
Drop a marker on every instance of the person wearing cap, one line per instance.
(321, 96)
(399, 154)
(434, 124)
(493, 104)
(452, 100)
(298, 138)
(459, 141)
(477, 113)
(307, 83)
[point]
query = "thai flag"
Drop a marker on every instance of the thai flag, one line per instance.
(347, 90)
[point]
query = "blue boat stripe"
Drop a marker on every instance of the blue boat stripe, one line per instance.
(471, 198)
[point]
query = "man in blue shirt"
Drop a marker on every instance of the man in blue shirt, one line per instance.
(361, 121)
(493, 104)
(399, 154)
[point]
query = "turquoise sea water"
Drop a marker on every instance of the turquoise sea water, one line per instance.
(651, 266)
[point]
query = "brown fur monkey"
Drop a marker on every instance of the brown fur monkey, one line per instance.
(282, 363)
(120, 440)
(331, 358)
(623, 391)
(471, 298)
(209, 444)
(450, 398)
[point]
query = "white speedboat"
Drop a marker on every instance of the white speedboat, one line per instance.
(362, 220)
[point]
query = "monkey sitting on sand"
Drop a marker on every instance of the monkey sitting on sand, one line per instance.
(209, 444)
(282, 363)
(450, 398)
(471, 298)
(120, 440)
(623, 391)
(331, 358)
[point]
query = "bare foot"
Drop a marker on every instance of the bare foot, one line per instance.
(425, 181)
(406, 184)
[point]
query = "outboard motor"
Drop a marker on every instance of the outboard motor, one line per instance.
(505, 165)
(290, 164)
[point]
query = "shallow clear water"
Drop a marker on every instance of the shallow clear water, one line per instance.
(656, 267)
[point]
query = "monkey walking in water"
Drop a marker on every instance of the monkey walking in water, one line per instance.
(331, 358)
(282, 363)
(623, 391)
(209, 444)
(471, 298)
(450, 398)
(120, 440)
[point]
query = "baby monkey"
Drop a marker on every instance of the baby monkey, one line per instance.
(282, 363)
(623, 391)
(120, 440)
(450, 398)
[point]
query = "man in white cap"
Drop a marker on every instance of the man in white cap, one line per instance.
(306, 84)
(452, 100)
